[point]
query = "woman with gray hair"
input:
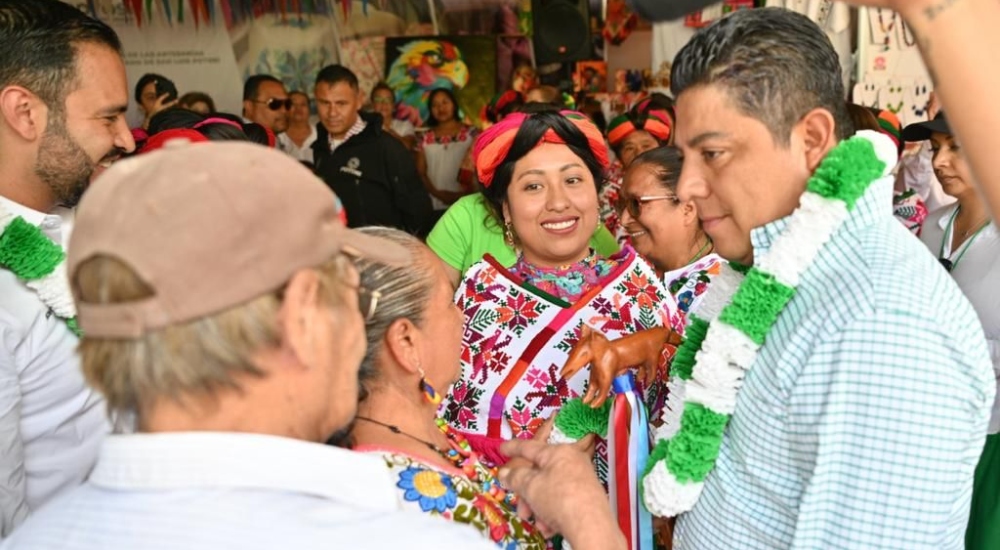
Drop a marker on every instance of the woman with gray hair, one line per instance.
(414, 340)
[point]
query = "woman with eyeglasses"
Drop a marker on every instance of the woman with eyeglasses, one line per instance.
(540, 174)
(384, 103)
(966, 242)
(641, 129)
(665, 230)
(414, 334)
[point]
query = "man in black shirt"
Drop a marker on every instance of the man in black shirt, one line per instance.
(370, 171)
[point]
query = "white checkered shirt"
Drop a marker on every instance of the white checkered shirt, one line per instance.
(863, 418)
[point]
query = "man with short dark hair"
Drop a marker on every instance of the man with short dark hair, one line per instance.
(371, 171)
(820, 404)
(266, 102)
(63, 96)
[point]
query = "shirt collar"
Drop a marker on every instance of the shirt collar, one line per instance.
(875, 204)
(201, 460)
(34, 217)
(358, 127)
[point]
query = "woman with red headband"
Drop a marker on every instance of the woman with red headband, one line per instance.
(540, 175)
(630, 135)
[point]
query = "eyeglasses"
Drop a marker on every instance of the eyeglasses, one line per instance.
(368, 302)
(276, 104)
(634, 204)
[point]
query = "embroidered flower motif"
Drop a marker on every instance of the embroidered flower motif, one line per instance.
(463, 405)
(519, 312)
(637, 285)
(523, 421)
(493, 516)
(433, 490)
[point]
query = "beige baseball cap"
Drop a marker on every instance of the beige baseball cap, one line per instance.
(208, 226)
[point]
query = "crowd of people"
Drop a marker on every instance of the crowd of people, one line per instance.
(737, 317)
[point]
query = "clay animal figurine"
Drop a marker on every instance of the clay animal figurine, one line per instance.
(610, 358)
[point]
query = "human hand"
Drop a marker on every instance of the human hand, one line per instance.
(160, 105)
(559, 487)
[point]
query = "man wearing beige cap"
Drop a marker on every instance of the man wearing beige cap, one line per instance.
(220, 309)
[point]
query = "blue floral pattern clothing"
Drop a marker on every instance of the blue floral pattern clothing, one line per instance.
(569, 282)
(450, 494)
(689, 284)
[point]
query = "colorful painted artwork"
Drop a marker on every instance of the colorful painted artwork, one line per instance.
(466, 65)
(590, 77)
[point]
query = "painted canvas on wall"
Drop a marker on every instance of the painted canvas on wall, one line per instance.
(467, 65)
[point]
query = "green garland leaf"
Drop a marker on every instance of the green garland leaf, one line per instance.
(683, 363)
(692, 452)
(577, 419)
(27, 252)
(847, 171)
(757, 304)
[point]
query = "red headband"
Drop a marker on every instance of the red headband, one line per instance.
(217, 120)
(159, 139)
(657, 123)
(493, 145)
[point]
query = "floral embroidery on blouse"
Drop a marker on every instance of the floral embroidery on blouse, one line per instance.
(467, 133)
(910, 210)
(689, 284)
(453, 496)
(567, 282)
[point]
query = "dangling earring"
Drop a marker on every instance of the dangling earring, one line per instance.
(430, 394)
(508, 235)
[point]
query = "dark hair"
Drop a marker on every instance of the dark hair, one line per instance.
(38, 40)
(534, 108)
(178, 117)
(666, 164)
(332, 74)
(433, 122)
(862, 118)
(190, 98)
(172, 119)
(252, 86)
(254, 132)
(776, 65)
(383, 86)
(657, 100)
(527, 138)
(257, 134)
(146, 80)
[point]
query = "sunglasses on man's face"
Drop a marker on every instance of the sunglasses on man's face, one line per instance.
(276, 104)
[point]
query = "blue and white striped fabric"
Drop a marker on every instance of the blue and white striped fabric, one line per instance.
(862, 420)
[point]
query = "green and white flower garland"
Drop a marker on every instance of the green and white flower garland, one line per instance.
(732, 323)
(39, 262)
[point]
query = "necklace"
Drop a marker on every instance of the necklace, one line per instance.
(461, 455)
(722, 340)
(39, 263)
(966, 241)
(697, 255)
